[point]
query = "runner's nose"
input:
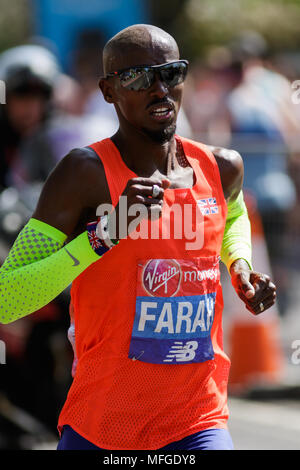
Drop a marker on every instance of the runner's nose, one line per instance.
(159, 88)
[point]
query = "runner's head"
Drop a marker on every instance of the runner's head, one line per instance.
(147, 100)
(30, 73)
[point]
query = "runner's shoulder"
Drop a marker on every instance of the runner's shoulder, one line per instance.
(231, 168)
(73, 191)
(228, 160)
(83, 161)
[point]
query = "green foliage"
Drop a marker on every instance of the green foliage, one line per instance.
(198, 24)
(14, 22)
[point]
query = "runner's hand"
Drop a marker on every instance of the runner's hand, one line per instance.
(139, 191)
(255, 289)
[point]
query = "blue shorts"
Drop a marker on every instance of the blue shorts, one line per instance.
(209, 439)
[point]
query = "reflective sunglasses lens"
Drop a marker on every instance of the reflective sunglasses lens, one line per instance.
(137, 79)
(173, 74)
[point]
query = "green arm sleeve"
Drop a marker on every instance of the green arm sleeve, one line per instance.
(38, 268)
(237, 235)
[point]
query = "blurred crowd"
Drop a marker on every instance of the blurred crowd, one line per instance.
(238, 96)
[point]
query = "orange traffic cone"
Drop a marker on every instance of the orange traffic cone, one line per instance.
(253, 341)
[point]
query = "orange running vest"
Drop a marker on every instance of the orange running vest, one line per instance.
(148, 320)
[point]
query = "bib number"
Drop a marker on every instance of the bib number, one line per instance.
(175, 307)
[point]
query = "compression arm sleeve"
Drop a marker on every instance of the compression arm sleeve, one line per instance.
(39, 267)
(237, 235)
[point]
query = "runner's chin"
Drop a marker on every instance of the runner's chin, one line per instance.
(161, 135)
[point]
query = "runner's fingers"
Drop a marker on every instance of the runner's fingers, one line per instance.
(268, 295)
(265, 291)
(260, 285)
(257, 309)
(265, 301)
(148, 201)
(147, 191)
(144, 182)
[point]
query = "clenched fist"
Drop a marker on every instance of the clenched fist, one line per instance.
(255, 289)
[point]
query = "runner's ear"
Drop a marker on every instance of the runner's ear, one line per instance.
(107, 90)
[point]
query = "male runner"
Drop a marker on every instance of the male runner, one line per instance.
(151, 371)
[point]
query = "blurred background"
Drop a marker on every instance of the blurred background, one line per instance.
(242, 92)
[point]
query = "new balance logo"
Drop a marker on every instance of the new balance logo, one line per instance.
(76, 261)
(181, 352)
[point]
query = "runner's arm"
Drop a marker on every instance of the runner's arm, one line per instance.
(255, 289)
(76, 186)
(237, 234)
(25, 288)
(39, 266)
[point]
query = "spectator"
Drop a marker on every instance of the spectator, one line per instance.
(30, 73)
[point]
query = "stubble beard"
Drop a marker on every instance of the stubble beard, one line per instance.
(161, 136)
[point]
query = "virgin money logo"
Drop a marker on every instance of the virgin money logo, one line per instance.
(161, 277)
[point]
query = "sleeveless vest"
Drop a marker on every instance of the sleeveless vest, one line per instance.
(148, 319)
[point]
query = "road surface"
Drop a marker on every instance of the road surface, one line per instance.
(263, 425)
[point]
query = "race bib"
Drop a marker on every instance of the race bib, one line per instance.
(175, 307)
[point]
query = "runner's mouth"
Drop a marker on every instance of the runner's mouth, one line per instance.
(162, 112)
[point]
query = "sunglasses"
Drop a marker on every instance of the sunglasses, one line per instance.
(142, 77)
